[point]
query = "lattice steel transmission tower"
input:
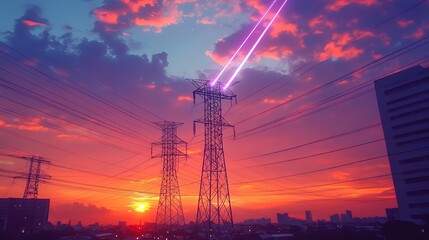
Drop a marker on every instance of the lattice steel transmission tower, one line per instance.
(214, 214)
(34, 176)
(170, 212)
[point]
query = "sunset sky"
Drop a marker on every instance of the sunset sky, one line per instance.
(81, 83)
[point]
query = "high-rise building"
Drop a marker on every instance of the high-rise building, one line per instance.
(349, 216)
(25, 216)
(403, 100)
(282, 218)
(343, 217)
(335, 218)
(308, 216)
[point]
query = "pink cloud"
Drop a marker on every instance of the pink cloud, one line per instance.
(168, 15)
(206, 21)
(71, 137)
(363, 34)
(185, 1)
(167, 89)
(340, 175)
(149, 14)
(33, 23)
(256, 4)
(276, 100)
(275, 52)
(135, 5)
(377, 56)
(321, 22)
(5, 124)
(282, 26)
(157, 22)
(335, 48)
(31, 62)
(229, 12)
(185, 98)
(218, 58)
(337, 5)
(151, 86)
(33, 125)
(419, 33)
(60, 71)
(405, 23)
(342, 82)
(384, 38)
(106, 16)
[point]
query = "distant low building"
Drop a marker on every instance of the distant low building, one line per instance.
(78, 227)
(392, 214)
(94, 227)
(122, 225)
(150, 226)
(24, 216)
(278, 236)
(335, 218)
(282, 218)
(257, 221)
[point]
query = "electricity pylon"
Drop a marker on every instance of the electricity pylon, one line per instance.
(33, 176)
(214, 214)
(170, 212)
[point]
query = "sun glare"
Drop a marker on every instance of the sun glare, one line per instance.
(140, 207)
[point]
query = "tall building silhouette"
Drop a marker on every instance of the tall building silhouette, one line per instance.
(403, 100)
(349, 216)
(308, 216)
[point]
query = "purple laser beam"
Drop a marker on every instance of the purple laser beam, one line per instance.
(248, 36)
(253, 48)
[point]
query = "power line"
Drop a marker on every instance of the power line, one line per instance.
(355, 39)
(69, 110)
(56, 147)
(317, 154)
(83, 90)
(319, 106)
(329, 184)
(327, 168)
(312, 142)
(58, 128)
(331, 82)
(333, 98)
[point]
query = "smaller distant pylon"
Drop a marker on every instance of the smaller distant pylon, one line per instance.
(33, 176)
(170, 212)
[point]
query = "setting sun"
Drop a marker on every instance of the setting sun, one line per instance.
(140, 207)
